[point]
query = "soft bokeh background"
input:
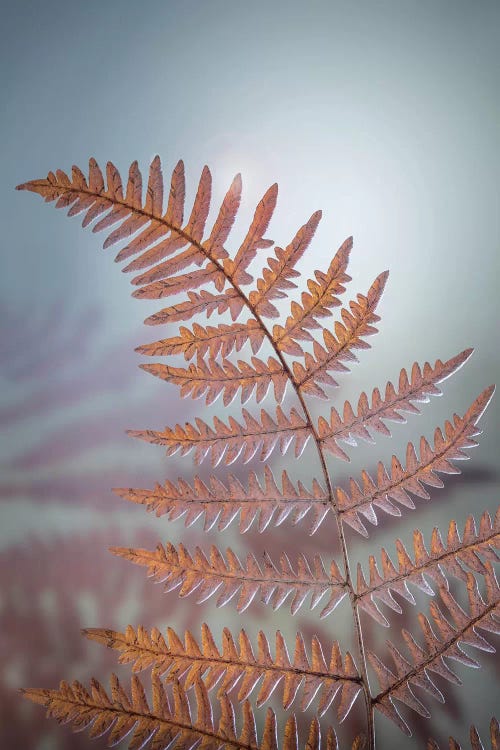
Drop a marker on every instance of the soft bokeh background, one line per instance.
(384, 114)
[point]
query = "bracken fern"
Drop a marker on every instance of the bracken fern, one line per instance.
(175, 257)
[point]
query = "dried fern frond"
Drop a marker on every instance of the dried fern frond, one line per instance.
(172, 256)
(206, 576)
(229, 441)
(236, 665)
(449, 642)
(421, 471)
(475, 740)
(440, 561)
(225, 378)
(221, 503)
(166, 725)
(421, 384)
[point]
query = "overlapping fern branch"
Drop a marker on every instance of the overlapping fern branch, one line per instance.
(174, 257)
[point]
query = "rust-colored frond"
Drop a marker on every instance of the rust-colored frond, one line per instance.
(221, 503)
(184, 282)
(165, 723)
(339, 348)
(475, 740)
(449, 642)
(397, 484)
(317, 303)
(179, 569)
(449, 558)
(226, 378)
(213, 340)
(229, 442)
(199, 303)
(276, 277)
(368, 419)
(236, 665)
(254, 239)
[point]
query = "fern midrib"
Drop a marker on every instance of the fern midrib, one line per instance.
(439, 652)
(310, 425)
(431, 563)
(421, 467)
(300, 322)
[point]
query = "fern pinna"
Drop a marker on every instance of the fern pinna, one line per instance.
(173, 257)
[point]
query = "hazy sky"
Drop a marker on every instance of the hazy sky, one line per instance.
(384, 114)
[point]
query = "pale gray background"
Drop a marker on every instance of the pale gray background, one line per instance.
(384, 114)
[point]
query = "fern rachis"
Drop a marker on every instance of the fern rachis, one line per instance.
(164, 247)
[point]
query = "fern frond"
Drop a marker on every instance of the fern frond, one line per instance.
(483, 614)
(225, 378)
(317, 303)
(228, 442)
(349, 335)
(237, 665)
(212, 339)
(221, 503)
(276, 277)
(368, 419)
(254, 239)
(189, 573)
(165, 725)
(441, 560)
(396, 485)
(475, 740)
(204, 302)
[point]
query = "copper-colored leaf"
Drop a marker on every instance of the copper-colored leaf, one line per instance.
(452, 558)
(397, 484)
(228, 576)
(349, 335)
(221, 503)
(475, 740)
(212, 339)
(237, 665)
(368, 419)
(276, 277)
(317, 303)
(226, 378)
(228, 442)
(484, 614)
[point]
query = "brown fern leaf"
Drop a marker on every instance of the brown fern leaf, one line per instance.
(184, 282)
(213, 340)
(165, 724)
(221, 503)
(483, 614)
(418, 387)
(229, 442)
(276, 277)
(227, 577)
(162, 235)
(467, 551)
(237, 665)
(317, 303)
(254, 239)
(449, 447)
(225, 378)
(349, 335)
(204, 302)
(475, 740)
